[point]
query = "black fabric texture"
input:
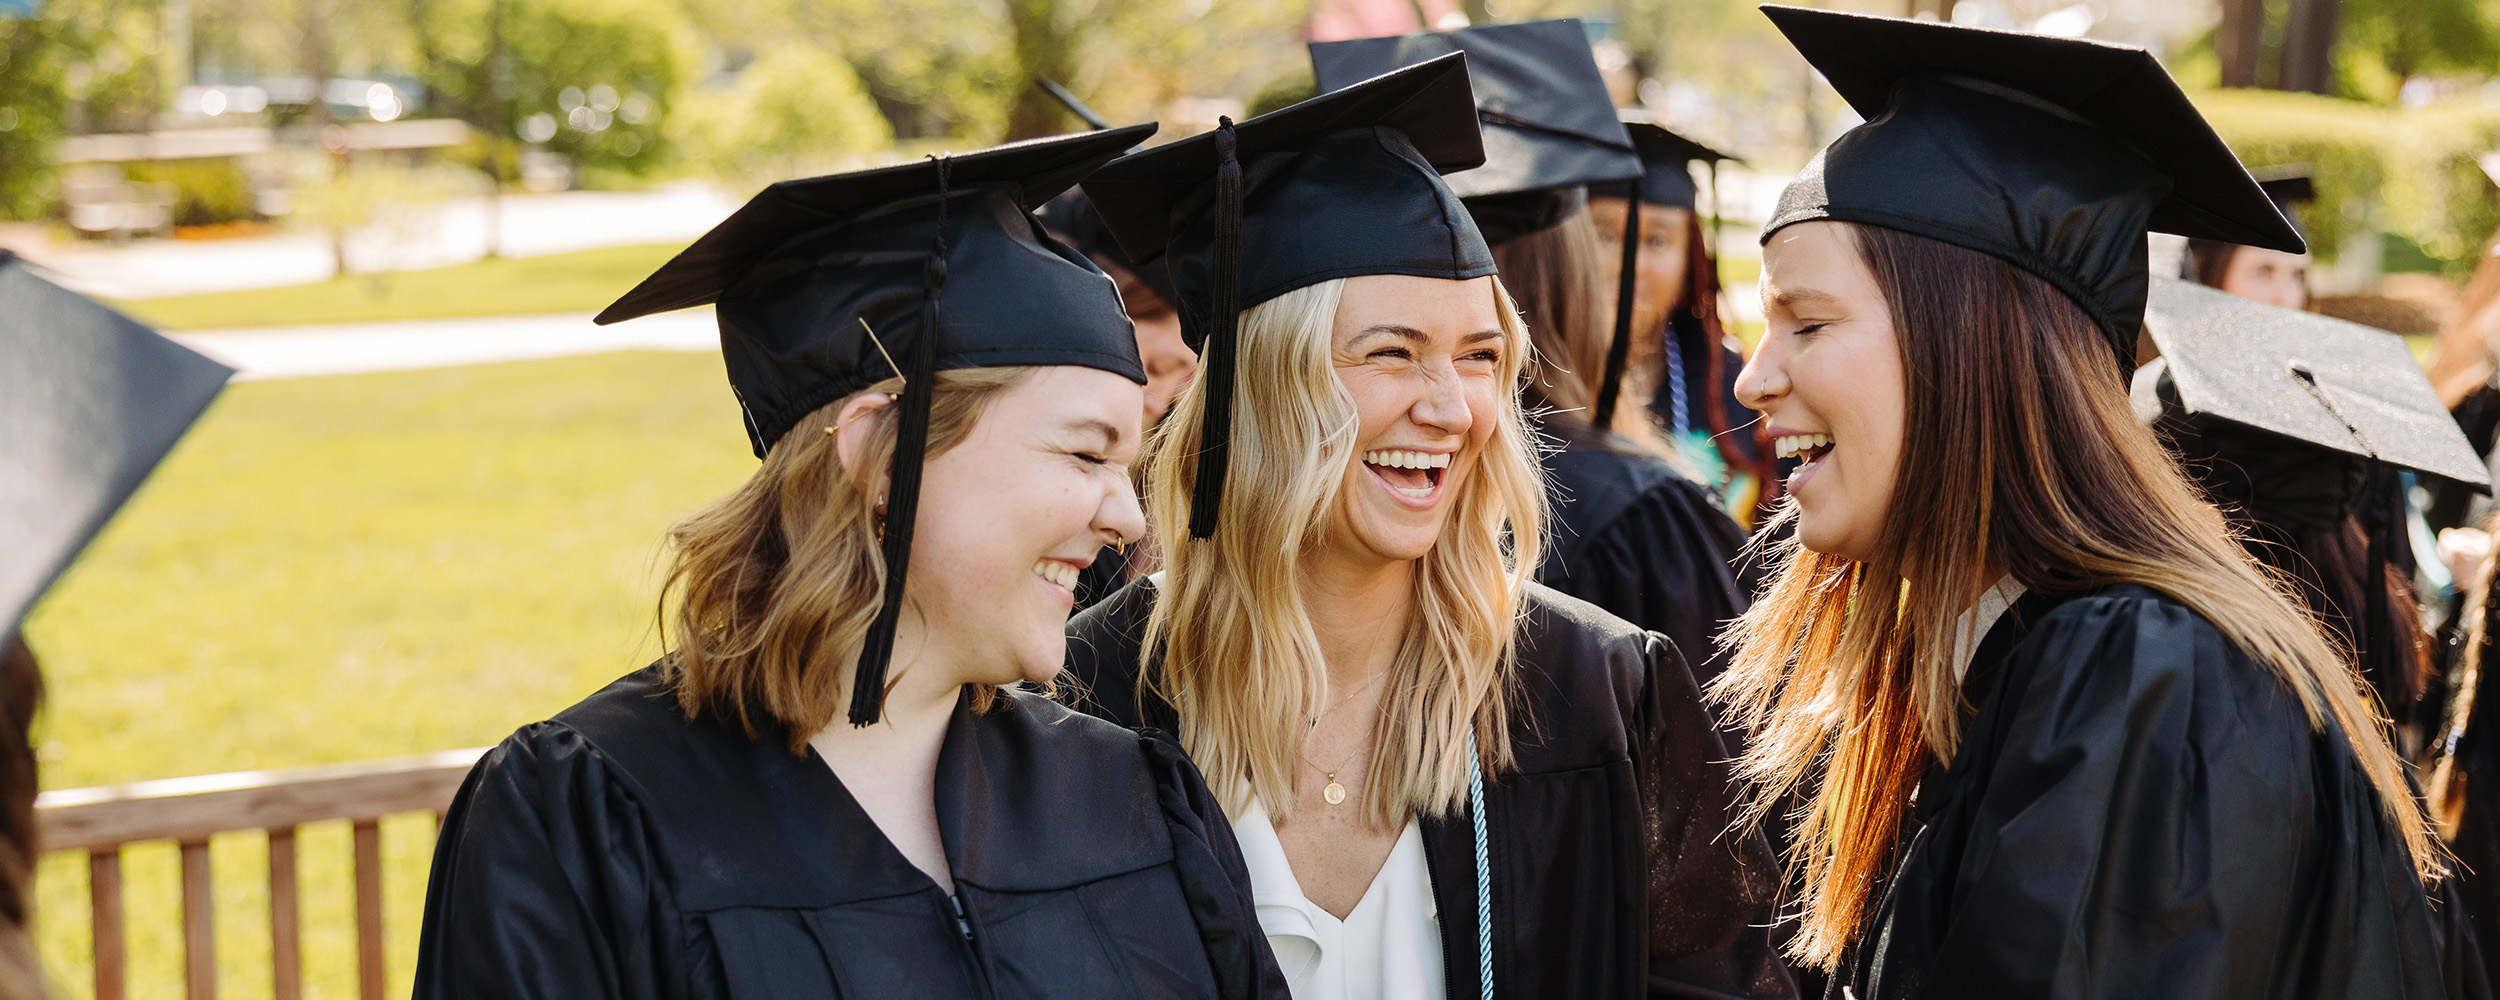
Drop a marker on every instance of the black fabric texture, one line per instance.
(2139, 809)
(1666, 167)
(1506, 217)
(624, 851)
(2052, 154)
(1613, 871)
(1548, 120)
(90, 401)
(1633, 536)
(1072, 219)
(1347, 183)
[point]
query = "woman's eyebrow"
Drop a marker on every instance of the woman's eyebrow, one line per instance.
(1110, 434)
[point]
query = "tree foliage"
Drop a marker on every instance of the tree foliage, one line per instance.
(794, 112)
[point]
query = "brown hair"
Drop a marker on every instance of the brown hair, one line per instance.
(2209, 261)
(2021, 454)
(771, 583)
(1554, 276)
(21, 690)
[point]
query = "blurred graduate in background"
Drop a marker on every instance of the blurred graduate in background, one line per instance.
(1678, 342)
(90, 402)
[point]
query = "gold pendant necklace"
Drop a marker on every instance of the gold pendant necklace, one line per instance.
(1334, 793)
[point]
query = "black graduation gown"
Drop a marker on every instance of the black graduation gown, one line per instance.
(1634, 537)
(2139, 810)
(623, 851)
(1614, 875)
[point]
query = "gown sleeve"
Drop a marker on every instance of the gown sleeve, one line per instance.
(1665, 564)
(2151, 817)
(1712, 893)
(1213, 876)
(543, 884)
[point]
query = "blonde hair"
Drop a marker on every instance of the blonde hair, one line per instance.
(771, 583)
(1230, 644)
(2020, 454)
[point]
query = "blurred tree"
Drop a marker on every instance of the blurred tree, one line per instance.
(31, 111)
(795, 112)
(2386, 42)
(591, 79)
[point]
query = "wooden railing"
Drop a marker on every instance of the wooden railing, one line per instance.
(187, 811)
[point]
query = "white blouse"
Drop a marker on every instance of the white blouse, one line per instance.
(1387, 948)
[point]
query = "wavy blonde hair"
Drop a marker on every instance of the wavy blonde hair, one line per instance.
(1230, 643)
(2020, 451)
(770, 584)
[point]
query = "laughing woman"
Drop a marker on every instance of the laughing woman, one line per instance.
(1439, 769)
(833, 784)
(2061, 736)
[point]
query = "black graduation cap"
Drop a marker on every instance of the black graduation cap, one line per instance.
(2289, 186)
(823, 283)
(1347, 183)
(1666, 166)
(2053, 154)
(1071, 216)
(1550, 127)
(2320, 386)
(90, 401)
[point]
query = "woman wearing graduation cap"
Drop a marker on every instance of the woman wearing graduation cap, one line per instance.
(1678, 343)
(1630, 531)
(835, 782)
(1448, 780)
(2063, 738)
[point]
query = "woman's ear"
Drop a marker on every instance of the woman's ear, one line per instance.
(851, 428)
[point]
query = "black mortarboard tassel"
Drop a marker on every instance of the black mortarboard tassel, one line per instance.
(2052, 154)
(1344, 184)
(90, 402)
(1215, 430)
(940, 260)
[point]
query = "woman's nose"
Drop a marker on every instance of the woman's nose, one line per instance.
(1762, 381)
(1120, 519)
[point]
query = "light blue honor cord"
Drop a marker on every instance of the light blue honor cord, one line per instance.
(1484, 870)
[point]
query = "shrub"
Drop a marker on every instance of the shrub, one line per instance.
(2409, 171)
(794, 112)
(206, 191)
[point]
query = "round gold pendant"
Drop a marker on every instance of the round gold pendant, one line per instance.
(1334, 793)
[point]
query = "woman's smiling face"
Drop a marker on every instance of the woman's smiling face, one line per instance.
(1829, 382)
(1422, 359)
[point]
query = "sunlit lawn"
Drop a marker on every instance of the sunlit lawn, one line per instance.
(341, 569)
(584, 281)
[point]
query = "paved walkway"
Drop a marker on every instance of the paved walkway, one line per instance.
(455, 232)
(346, 349)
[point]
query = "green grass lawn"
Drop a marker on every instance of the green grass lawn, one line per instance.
(340, 569)
(584, 281)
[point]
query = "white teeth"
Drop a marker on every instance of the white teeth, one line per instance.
(1407, 459)
(1792, 445)
(1056, 572)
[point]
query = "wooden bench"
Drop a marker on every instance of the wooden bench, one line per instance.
(101, 821)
